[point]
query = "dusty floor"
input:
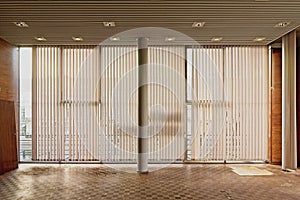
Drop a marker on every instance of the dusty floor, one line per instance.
(175, 181)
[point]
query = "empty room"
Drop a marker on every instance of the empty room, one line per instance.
(153, 99)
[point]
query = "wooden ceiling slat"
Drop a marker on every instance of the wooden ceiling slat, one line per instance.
(237, 21)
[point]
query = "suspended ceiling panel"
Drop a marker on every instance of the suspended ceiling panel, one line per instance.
(237, 22)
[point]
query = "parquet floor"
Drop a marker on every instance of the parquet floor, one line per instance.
(176, 181)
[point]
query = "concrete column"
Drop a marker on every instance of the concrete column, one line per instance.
(289, 121)
(143, 117)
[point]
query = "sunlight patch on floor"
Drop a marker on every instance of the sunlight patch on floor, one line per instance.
(250, 171)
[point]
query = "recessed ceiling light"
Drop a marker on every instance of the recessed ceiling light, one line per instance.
(115, 39)
(259, 39)
(216, 39)
(198, 24)
(169, 39)
(78, 39)
(281, 24)
(109, 24)
(40, 39)
(21, 24)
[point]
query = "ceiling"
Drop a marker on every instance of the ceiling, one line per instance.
(237, 22)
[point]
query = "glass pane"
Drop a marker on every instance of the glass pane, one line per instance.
(25, 104)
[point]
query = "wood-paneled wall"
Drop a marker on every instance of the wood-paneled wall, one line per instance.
(8, 106)
(8, 148)
(8, 71)
(276, 111)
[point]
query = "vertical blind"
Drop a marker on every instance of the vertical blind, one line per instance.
(67, 101)
(229, 103)
(167, 103)
(77, 116)
(118, 111)
(205, 97)
(79, 104)
(214, 108)
(46, 116)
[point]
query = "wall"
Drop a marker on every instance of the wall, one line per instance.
(276, 111)
(8, 106)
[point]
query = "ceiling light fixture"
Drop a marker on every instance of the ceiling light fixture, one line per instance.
(115, 39)
(77, 39)
(216, 39)
(169, 39)
(198, 24)
(259, 39)
(282, 24)
(109, 24)
(41, 39)
(21, 24)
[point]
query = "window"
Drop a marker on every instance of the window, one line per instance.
(227, 95)
(25, 139)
